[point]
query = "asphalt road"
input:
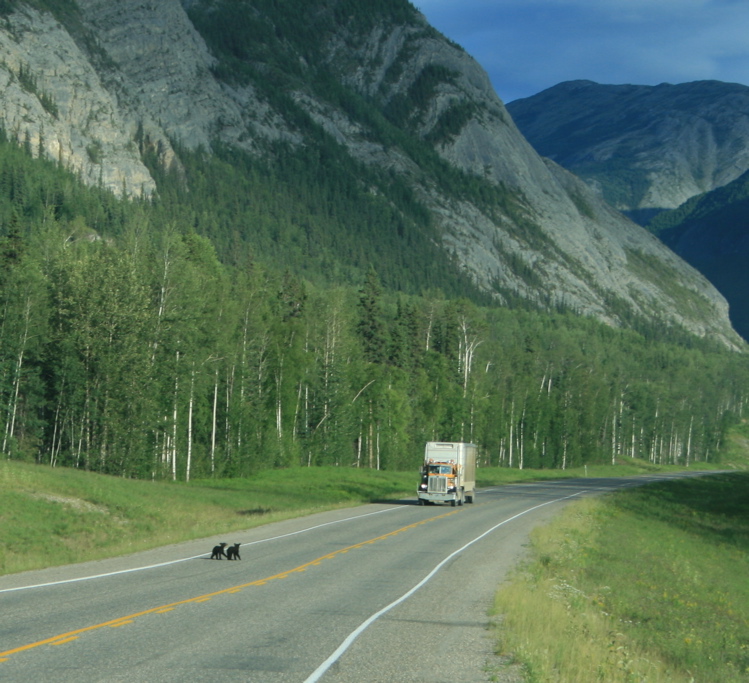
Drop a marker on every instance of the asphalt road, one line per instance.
(382, 593)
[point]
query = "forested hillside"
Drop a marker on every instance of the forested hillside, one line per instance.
(144, 339)
(711, 231)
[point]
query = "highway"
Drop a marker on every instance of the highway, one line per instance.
(380, 593)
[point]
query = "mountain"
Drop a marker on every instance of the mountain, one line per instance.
(644, 148)
(362, 104)
(711, 231)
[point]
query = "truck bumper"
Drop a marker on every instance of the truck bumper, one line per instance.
(437, 497)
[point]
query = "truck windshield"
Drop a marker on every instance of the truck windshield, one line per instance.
(440, 469)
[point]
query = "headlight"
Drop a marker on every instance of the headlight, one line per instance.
(423, 487)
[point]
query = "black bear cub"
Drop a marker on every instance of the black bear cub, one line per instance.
(218, 552)
(232, 552)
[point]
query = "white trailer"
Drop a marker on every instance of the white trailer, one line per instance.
(448, 474)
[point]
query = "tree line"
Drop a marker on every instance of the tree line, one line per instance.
(144, 356)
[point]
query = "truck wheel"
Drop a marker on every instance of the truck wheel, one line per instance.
(469, 499)
(453, 502)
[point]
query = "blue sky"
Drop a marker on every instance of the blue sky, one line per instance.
(529, 45)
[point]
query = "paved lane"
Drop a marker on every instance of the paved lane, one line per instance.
(379, 593)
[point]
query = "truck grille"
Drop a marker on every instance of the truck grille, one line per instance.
(437, 485)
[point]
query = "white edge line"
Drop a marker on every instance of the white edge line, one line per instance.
(194, 557)
(322, 669)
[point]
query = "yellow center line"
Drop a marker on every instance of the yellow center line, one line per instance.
(59, 642)
(121, 621)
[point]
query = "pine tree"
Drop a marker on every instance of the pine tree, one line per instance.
(371, 326)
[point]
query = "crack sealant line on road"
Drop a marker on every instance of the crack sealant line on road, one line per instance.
(194, 557)
(346, 644)
(122, 621)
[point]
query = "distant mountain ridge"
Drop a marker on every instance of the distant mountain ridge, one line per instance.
(105, 87)
(644, 148)
(674, 156)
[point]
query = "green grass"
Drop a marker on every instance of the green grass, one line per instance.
(57, 516)
(644, 585)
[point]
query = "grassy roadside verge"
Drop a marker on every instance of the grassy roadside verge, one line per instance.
(50, 517)
(648, 584)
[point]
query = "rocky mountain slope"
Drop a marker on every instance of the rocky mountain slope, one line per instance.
(643, 148)
(96, 83)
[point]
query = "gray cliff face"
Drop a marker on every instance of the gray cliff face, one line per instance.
(162, 67)
(642, 147)
(54, 99)
(163, 81)
(152, 77)
(590, 252)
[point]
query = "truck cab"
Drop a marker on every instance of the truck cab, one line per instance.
(447, 474)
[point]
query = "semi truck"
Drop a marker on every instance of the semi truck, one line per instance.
(448, 474)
